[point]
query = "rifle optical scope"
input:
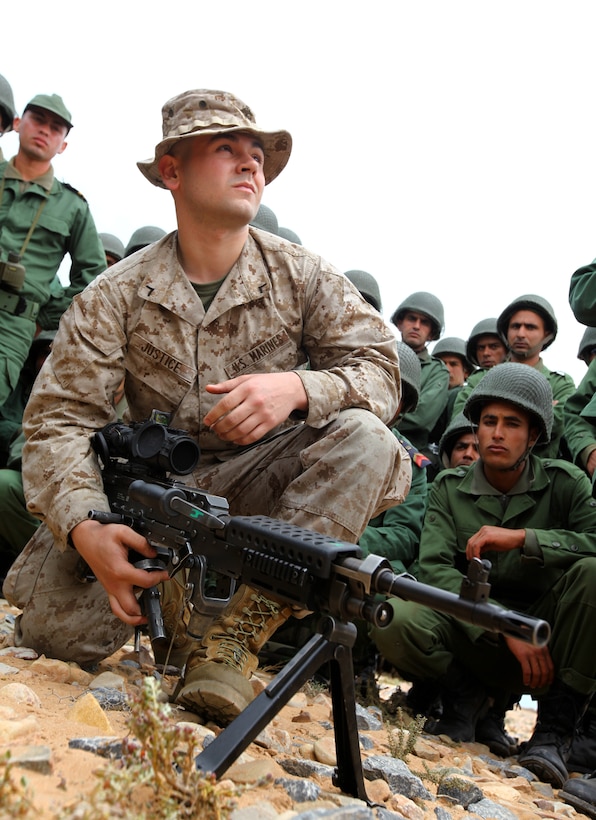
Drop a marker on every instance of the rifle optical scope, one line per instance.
(148, 442)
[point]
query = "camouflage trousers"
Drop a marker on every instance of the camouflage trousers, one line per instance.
(332, 480)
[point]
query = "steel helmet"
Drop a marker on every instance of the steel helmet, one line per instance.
(290, 235)
(456, 347)
(265, 220)
(587, 344)
(427, 304)
(410, 372)
(142, 237)
(458, 426)
(521, 385)
(485, 327)
(112, 245)
(539, 305)
(367, 285)
(7, 109)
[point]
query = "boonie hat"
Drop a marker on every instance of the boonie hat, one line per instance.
(53, 103)
(203, 111)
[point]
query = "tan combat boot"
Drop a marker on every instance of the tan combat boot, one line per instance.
(216, 680)
(176, 614)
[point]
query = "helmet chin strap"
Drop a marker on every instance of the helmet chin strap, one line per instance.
(532, 351)
(523, 457)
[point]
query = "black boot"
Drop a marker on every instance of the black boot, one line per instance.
(580, 793)
(546, 752)
(464, 701)
(582, 756)
(491, 731)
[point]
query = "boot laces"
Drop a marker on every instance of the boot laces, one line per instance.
(234, 647)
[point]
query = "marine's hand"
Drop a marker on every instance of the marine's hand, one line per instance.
(497, 539)
(591, 463)
(254, 404)
(535, 661)
(105, 548)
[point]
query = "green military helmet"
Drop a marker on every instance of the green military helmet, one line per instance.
(7, 109)
(539, 305)
(485, 327)
(427, 304)
(367, 285)
(112, 245)
(265, 220)
(520, 385)
(410, 372)
(458, 426)
(587, 345)
(456, 347)
(142, 237)
(290, 235)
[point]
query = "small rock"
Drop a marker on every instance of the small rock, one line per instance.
(108, 680)
(302, 717)
(366, 720)
(298, 701)
(110, 747)
(60, 671)
(35, 758)
(5, 669)
(493, 811)
(20, 693)
(25, 653)
(87, 710)
(254, 771)
(111, 699)
(300, 791)
(397, 775)
(460, 790)
(325, 751)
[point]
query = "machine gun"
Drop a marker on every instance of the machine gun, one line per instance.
(193, 531)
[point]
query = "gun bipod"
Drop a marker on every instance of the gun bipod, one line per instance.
(331, 644)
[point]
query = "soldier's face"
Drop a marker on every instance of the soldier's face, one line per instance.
(218, 178)
(455, 366)
(41, 134)
(504, 435)
(526, 334)
(490, 351)
(465, 450)
(416, 329)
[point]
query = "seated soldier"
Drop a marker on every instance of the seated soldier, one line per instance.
(535, 521)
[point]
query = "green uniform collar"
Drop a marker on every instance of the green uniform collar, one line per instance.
(45, 181)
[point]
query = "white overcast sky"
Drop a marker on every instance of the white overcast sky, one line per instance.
(441, 145)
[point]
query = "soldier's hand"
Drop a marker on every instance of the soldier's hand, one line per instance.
(591, 463)
(105, 548)
(253, 405)
(535, 661)
(497, 539)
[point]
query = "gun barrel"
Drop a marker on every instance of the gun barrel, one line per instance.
(486, 615)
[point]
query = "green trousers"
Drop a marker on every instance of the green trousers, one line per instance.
(421, 643)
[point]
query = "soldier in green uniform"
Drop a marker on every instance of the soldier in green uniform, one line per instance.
(535, 520)
(484, 349)
(420, 319)
(41, 220)
(528, 325)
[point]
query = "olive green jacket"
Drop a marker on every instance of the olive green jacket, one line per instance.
(434, 385)
(395, 534)
(579, 418)
(64, 226)
(582, 294)
(557, 512)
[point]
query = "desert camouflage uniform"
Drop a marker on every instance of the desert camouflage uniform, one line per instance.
(281, 308)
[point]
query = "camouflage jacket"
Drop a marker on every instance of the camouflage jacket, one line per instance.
(280, 308)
